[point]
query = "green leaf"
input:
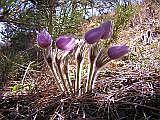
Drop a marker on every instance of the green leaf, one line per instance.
(10, 2)
(15, 88)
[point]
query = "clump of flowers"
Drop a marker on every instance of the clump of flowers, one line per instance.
(67, 50)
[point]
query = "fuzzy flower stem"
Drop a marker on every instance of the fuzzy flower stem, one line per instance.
(61, 76)
(67, 76)
(57, 83)
(90, 76)
(93, 79)
(53, 73)
(93, 52)
(101, 60)
(78, 76)
(80, 58)
(90, 71)
(69, 83)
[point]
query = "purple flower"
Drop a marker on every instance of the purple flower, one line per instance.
(107, 29)
(102, 32)
(93, 35)
(44, 39)
(65, 43)
(116, 52)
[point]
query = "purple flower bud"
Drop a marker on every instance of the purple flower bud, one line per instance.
(65, 43)
(44, 39)
(107, 29)
(93, 35)
(116, 52)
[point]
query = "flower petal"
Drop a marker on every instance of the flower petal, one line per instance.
(44, 39)
(116, 52)
(93, 35)
(65, 43)
(107, 29)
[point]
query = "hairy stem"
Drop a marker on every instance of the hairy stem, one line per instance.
(61, 76)
(93, 79)
(53, 73)
(78, 77)
(89, 76)
(68, 77)
(69, 83)
(57, 81)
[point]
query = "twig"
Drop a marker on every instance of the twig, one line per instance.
(136, 104)
(35, 116)
(26, 72)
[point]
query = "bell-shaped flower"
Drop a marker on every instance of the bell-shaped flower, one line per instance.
(116, 52)
(44, 39)
(107, 29)
(65, 43)
(93, 35)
